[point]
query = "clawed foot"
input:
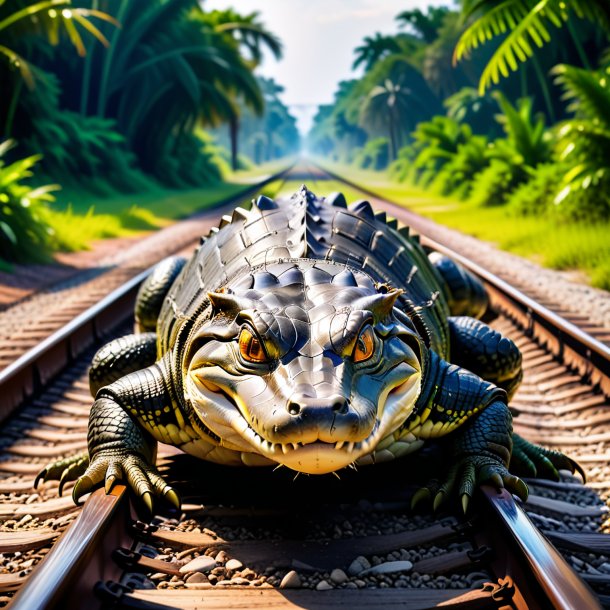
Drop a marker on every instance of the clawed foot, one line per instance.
(533, 461)
(467, 474)
(107, 467)
(68, 469)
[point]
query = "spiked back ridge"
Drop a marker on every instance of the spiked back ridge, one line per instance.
(307, 227)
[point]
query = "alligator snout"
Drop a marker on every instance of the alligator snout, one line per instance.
(330, 419)
(332, 405)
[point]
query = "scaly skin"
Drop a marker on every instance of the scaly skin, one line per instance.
(306, 334)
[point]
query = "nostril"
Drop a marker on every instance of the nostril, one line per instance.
(340, 405)
(294, 408)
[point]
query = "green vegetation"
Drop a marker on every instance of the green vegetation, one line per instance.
(523, 164)
(549, 241)
(113, 106)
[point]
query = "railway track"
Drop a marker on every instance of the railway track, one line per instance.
(266, 541)
(22, 327)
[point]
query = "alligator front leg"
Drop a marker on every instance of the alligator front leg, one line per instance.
(125, 420)
(457, 402)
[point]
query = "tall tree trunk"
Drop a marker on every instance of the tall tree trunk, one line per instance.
(233, 134)
(393, 152)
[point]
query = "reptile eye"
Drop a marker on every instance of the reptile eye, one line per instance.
(250, 347)
(365, 345)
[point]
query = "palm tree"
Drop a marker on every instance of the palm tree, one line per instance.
(525, 24)
(49, 18)
(374, 48)
(397, 98)
(424, 25)
(169, 67)
(245, 32)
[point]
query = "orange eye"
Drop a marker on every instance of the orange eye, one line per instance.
(250, 347)
(365, 345)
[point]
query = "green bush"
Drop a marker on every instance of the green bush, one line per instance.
(375, 154)
(589, 203)
(536, 195)
(457, 175)
(495, 182)
(24, 235)
(190, 161)
(81, 151)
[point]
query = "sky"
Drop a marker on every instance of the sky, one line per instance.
(319, 38)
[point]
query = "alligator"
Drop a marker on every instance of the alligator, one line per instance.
(313, 335)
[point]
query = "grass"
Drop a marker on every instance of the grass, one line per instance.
(568, 246)
(79, 217)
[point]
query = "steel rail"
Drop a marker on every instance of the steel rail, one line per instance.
(65, 577)
(556, 584)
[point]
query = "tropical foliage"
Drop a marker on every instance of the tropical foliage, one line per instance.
(23, 233)
(540, 144)
(525, 25)
(117, 100)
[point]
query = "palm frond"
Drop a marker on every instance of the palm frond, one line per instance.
(526, 28)
(588, 93)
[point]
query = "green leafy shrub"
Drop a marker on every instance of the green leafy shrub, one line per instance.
(536, 195)
(456, 176)
(190, 161)
(24, 235)
(584, 143)
(495, 182)
(403, 169)
(374, 155)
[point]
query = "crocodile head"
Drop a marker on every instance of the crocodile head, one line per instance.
(304, 362)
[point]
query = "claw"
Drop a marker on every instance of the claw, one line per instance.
(465, 502)
(438, 500)
(40, 477)
(148, 501)
(549, 468)
(83, 486)
(421, 494)
(62, 481)
(109, 483)
(520, 488)
(172, 497)
(576, 467)
(496, 480)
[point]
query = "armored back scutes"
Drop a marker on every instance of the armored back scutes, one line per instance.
(306, 227)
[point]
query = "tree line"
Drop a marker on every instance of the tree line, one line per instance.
(117, 96)
(497, 102)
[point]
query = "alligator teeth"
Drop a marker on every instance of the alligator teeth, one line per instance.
(339, 444)
(350, 447)
(285, 449)
(294, 445)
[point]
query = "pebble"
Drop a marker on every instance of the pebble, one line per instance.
(197, 577)
(390, 566)
(234, 564)
(358, 565)
(338, 576)
(291, 581)
(323, 586)
(203, 563)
